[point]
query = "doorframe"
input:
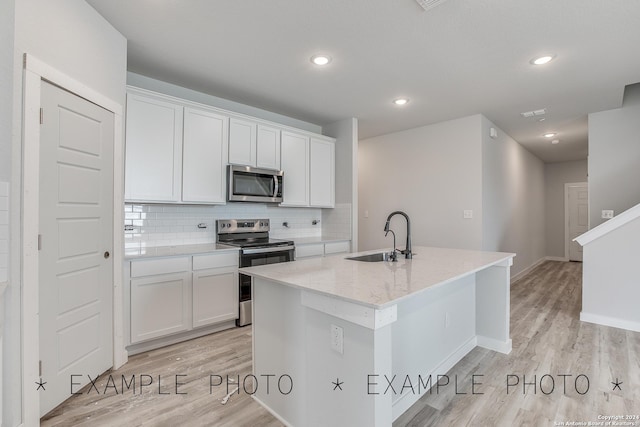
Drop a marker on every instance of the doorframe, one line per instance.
(567, 185)
(34, 71)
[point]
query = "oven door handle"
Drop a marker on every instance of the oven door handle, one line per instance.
(267, 250)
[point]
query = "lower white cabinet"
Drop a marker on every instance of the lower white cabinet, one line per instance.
(159, 306)
(173, 295)
(312, 250)
(215, 296)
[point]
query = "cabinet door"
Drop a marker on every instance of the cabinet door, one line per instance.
(294, 156)
(204, 156)
(308, 251)
(268, 147)
(153, 149)
(215, 296)
(242, 142)
(160, 305)
(322, 174)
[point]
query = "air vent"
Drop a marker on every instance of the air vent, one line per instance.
(429, 4)
(534, 113)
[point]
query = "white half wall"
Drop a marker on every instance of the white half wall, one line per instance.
(556, 175)
(610, 284)
(71, 37)
(433, 173)
(614, 156)
(513, 199)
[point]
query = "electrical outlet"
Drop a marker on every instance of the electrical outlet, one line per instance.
(607, 214)
(337, 339)
(467, 214)
(447, 320)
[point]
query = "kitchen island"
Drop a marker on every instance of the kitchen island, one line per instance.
(331, 334)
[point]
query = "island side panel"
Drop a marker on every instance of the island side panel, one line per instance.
(279, 349)
(434, 331)
(493, 307)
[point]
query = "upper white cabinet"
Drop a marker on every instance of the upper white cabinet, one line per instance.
(295, 164)
(204, 145)
(153, 164)
(253, 144)
(174, 153)
(322, 173)
(268, 147)
(242, 142)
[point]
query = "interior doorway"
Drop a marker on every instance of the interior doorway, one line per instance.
(576, 202)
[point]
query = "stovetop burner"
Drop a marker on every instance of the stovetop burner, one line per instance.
(247, 233)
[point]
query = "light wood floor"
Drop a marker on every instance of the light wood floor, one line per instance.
(548, 339)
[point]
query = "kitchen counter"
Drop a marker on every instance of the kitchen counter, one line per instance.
(379, 284)
(162, 251)
(322, 321)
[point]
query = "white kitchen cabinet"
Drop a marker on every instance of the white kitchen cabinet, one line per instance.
(294, 157)
(322, 162)
(204, 150)
(333, 248)
(268, 147)
(215, 296)
(159, 306)
(310, 250)
(252, 144)
(153, 166)
(242, 142)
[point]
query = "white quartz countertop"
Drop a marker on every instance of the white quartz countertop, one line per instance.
(161, 251)
(379, 284)
(318, 239)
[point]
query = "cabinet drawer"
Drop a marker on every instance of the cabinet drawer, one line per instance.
(225, 259)
(159, 266)
(337, 248)
(305, 251)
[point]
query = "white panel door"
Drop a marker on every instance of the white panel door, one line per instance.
(76, 228)
(215, 296)
(242, 142)
(578, 218)
(295, 164)
(322, 173)
(204, 156)
(268, 147)
(153, 164)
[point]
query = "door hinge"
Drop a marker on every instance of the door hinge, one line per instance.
(41, 115)
(39, 368)
(39, 241)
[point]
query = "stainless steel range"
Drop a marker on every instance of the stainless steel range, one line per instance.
(256, 248)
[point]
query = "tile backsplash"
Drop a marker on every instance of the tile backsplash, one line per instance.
(4, 230)
(337, 222)
(165, 225)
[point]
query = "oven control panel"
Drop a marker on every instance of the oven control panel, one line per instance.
(225, 226)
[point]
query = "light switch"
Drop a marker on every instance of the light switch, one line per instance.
(467, 214)
(607, 213)
(366, 214)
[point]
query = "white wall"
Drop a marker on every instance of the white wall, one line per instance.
(614, 156)
(159, 86)
(6, 85)
(432, 173)
(512, 199)
(70, 36)
(610, 286)
(346, 207)
(556, 175)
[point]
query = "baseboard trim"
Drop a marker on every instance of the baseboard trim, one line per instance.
(405, 401)
(495, 345)
(527, 270)
(610, 321)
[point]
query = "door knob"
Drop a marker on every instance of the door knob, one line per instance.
(107, 255)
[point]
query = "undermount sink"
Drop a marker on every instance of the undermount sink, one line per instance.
(380, 256)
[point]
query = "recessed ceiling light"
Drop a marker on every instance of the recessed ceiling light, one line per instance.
(541, 60)
(549, 135)
(320, 59)
(555, 141)
(401, 101)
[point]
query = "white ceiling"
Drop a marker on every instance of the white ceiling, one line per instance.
(460, 58)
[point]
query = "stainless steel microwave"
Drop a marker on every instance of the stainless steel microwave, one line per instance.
(247, 184)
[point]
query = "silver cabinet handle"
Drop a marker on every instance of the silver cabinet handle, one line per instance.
(266, 250)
